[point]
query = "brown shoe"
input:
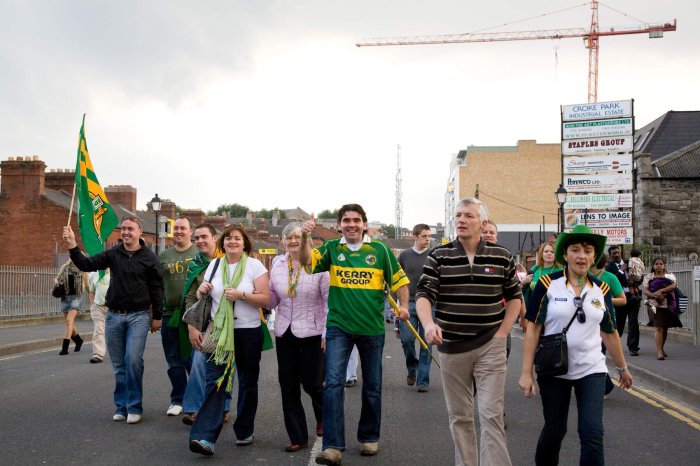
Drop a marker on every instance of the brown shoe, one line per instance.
(319, 429)
(411, 379)
(329, 457)
(294, 447)
(369, 448)
(227, 417)
(188, 418)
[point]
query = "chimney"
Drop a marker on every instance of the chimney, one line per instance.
(196, 216)
(60, 180)
(249, 215)
(168, 208)
(275, 217)
(123, 195)
(22, 177)
(217, 221)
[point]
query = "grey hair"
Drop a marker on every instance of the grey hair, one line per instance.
(287, 230)
(483, 211)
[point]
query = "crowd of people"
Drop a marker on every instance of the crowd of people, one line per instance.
(463, 297)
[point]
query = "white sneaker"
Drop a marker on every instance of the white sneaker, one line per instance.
(119, 417)
(174, 410)
(133, 419)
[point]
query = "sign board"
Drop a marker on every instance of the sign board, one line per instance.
(269, 252)
(597, 163)
(616, 235)
(598, 201)
(597, 129)
(616, 218)
(597, 110)
(597, 145)
(696, 273)
(598, 183)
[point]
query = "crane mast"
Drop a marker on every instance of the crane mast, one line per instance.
(398, 210)
(591, 39)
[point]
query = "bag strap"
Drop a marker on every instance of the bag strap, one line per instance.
(566, 329)
(213, 271)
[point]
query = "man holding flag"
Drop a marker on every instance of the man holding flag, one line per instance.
(136, 286)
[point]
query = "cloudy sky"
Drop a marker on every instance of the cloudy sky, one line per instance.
(269, 103)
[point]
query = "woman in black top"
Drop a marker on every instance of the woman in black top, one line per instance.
(74, 282)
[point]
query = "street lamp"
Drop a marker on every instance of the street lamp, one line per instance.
(561, 199)
(155, 205)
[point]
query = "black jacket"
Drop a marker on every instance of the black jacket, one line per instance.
(137, 280)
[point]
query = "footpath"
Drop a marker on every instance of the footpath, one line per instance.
(678, 375)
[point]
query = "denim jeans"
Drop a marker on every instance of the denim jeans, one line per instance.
(197, 385)
(126, 340)
(338, 347)
(177, 368)
(210, 415)
(420, 364)
(351, 371)
(556, 394)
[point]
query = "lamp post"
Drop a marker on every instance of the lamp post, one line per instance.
(561, 199)
(155, 205)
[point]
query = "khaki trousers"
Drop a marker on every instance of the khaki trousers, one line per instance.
(97, 314)
(486, 366)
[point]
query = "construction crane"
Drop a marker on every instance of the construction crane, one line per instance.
(591, 40)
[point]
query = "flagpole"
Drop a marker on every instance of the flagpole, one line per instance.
(72, 199)
(396, 311)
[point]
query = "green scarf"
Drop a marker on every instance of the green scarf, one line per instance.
(196, 266)
(223, 320)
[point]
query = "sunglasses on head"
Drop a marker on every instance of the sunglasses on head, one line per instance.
(580, 315)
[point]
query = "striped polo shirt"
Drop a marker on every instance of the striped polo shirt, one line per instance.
(468, 297)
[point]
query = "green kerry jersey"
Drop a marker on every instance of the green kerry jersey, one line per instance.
(356, 295)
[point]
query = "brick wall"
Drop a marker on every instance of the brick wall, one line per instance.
(667, 211)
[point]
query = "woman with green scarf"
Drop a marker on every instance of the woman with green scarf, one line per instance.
(239, 287)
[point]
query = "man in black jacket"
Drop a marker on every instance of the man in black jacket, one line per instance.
(630, 311)
(135, 302)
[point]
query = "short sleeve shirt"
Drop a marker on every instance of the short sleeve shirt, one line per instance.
(356, 295)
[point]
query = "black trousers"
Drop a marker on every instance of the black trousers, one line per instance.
(629, 311)
(300, 361)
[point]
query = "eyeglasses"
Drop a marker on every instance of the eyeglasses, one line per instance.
(580, 315)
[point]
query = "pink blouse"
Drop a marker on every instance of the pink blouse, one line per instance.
(306, 313)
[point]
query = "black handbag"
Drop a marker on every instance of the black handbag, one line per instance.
(552, 355)
(197, 315)
(58, 291)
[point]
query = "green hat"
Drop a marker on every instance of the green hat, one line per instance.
(580, 233)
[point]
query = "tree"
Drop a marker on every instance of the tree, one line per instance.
(389, 231)
(267, 213)
(232, 210)
(328, 214)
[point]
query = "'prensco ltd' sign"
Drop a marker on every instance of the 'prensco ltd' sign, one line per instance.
(597, 183)
(622, 218)
(597, 145)
(597, 129)
(598, 201)
(597, 110)
(597, 163)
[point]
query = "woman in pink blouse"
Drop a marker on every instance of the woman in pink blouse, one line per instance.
(301, 299)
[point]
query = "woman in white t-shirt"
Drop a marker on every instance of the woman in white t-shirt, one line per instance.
(239, 287)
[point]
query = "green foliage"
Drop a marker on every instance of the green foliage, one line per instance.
(333, 214)
(389, 231)
(232, 210)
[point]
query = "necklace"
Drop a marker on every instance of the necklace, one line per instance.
(293, 278)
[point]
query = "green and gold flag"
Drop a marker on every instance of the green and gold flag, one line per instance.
(96, 218)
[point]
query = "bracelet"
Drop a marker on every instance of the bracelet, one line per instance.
(621, 369)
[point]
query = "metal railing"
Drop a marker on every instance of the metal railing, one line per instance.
(26, 292)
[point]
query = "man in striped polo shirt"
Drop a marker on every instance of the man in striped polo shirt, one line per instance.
(467, 280)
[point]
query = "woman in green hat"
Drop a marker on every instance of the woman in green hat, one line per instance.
(557, 298)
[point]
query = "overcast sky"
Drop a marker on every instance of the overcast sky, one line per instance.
(269, 103)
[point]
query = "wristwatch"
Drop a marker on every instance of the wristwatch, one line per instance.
(243, 299)
(621, 369)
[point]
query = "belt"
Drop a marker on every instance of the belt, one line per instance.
(122, 312)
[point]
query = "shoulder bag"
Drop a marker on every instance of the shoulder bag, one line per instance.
(552, 355)
(58, 291)
(198, 314)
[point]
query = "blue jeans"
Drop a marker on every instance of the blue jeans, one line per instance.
(177, 368)
(338, 347)
(210, 416)
(556, 394)
(126, 340)
(197, 385)
(408, 341)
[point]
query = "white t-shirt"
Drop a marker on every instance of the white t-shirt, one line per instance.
(245, 315)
